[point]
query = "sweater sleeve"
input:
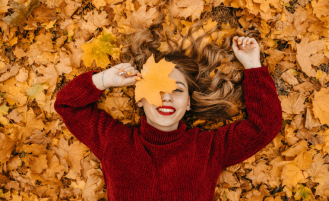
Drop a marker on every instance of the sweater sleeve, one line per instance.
(242, 139)
(76, 104)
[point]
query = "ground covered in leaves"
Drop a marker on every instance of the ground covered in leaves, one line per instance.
(44, 44)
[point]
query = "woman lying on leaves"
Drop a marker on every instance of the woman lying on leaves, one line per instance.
(162, 159)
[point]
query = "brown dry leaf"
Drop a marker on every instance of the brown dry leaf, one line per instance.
(319, 173)
(304, 51)
(75, 153)
(116, 106)
(21, 12)
(43, 14)
(320, 7)
(293, 104)
(310, 120)
(274, 58)
(289, 76)
(155, 80)
(188, 8)
(143, 17)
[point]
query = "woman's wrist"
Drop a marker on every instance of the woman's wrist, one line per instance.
(99, 79)
(253, 65)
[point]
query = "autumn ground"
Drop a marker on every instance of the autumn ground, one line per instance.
(45, 44)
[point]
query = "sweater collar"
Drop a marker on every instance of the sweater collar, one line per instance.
(158, 137)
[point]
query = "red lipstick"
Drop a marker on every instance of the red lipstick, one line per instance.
(166, 107)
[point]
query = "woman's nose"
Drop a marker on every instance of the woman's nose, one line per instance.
(166, 96)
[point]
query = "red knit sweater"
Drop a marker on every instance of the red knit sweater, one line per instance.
(148, 164)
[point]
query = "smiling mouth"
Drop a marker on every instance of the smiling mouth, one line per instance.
(166, 111)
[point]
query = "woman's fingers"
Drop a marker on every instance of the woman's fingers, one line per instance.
(240, 40)
(244, 41)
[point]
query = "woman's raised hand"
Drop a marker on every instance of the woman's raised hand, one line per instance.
(247, 51)
(122, 75)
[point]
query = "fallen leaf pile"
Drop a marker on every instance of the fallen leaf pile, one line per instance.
(47, 43)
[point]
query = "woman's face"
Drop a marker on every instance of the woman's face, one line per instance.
(179, 99)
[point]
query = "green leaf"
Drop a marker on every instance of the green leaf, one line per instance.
(302, 192)
(98, 49)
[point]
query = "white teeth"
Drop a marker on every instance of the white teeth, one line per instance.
(165, 110)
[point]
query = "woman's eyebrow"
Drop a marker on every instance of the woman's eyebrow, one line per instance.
(178, 82)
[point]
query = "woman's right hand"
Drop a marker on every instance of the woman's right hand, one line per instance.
(121, 75)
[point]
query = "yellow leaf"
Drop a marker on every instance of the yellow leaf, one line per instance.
(98, 49)
(291, 175)
(321, 105)
(36, 91)
(3, 6)
(299, 147)
(155, 79)
(303, 160)
(99, 3)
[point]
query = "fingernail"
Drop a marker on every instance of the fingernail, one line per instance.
(121, 73)
(247, 42)
(239, 42)
(137, 78)
(243, 45)
(128, 73)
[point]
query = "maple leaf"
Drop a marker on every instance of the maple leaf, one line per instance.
(265, 5)
(319, 173)
(304, 51)
(92, 185)
(320, 7)
(293, 104)
(75, 153)
(187, 8)
(22, 12)
(98, 49)
(155, 79)
(291, 175)
(321, 105)
(36, 91)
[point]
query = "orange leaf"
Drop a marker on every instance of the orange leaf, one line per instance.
(155, 79)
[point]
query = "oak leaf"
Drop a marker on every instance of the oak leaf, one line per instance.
(155, 79)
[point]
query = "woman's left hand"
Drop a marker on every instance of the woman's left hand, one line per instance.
(247, 51)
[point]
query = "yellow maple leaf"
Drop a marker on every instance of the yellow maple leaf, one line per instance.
(98, 49)
(321, 106)
(155, 79)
